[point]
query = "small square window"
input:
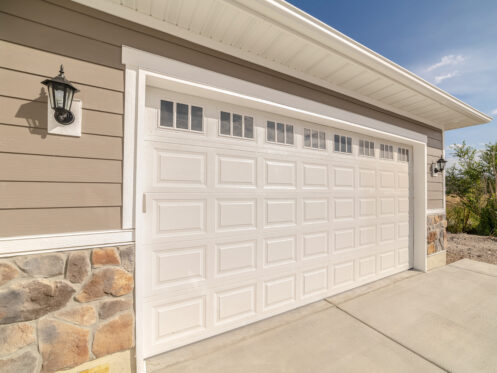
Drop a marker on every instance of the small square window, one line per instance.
(197, 117)
(371, 149)
(248, 129)
(225, 123)
(166, 114)
(361, 147)
(337, 143)
(280, 133)
(343, 144)
(349, 144)
(181, 116)
(307, 137)
(315, 139)
(289, 134)
(271, 136)
(322, 140)
(237, 125)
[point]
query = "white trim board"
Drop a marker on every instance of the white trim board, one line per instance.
(152, 70)
(24, 245)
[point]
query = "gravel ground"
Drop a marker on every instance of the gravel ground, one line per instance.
(480, 248)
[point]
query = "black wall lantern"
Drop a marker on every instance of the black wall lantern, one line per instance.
(438, 166)
(61, 92)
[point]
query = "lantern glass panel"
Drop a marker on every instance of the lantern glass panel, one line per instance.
(58, 96)
(69, 96)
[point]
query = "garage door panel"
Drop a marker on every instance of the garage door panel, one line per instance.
(237, 230)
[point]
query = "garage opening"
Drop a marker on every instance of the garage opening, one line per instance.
(249, 214)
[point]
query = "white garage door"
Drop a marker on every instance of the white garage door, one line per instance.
(250, 214)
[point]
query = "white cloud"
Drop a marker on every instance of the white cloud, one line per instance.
(451, 59)
(493, 112)
(440, 78)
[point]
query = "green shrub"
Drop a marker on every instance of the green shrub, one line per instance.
(487, 225)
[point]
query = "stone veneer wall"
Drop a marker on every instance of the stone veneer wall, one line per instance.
(62, 309)
(437, 237)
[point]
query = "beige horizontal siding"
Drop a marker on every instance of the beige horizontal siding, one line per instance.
(21, 195)
(15, 139)
(31, 89)
(434, 183)
(58, 220)
(20, 58)
(23, 167)
(33, 114)
(40, 36)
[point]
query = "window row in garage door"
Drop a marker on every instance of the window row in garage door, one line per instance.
(236, 231)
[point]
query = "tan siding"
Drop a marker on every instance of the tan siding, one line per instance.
(46, 221)
(17, 57)
(20, 195)
(33, 114)
(31, 89)
(434, 183)
(15, 139)
(39, 35)
(22, 167)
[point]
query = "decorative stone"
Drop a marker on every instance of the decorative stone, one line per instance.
(82, 315)
(25, 363)
(105, 256)
(115, 335)
(111, 307)
(42, 265)
(113, 281)
(29, 300)
(62, 345)
(13, 337)
(432, 236)
(127, 254)
(431, 248)
(7, 272)
(78, 267)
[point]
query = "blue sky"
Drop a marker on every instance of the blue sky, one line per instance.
(450, 43)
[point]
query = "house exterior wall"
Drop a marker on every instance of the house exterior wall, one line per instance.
(55, 184)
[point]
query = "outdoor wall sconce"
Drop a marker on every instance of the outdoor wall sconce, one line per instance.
(438, 166)
(61, 93)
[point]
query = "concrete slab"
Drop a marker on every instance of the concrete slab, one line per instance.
(325, 341)
(361, 290)
(211, 345)
(449, 316)
(473, 265)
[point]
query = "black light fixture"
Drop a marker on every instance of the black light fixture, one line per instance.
(439, 166)
(61, 92)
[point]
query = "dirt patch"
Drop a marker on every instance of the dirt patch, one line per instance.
(480, 248)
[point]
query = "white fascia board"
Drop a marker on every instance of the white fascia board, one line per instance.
(174, 75)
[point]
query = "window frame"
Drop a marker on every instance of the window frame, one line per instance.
(392, 152)
(363, 148)
(285, 126)
(311, 147)
(346, 143)
(231, 136)
(174, 127)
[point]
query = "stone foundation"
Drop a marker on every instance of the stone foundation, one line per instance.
(436, 240)
(436, 237)
(60, 310)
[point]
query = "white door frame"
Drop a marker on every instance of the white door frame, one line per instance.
(143, 68)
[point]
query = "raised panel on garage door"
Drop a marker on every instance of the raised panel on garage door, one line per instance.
(239, 229)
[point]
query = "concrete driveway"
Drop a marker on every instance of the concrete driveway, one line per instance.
(444, 320)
